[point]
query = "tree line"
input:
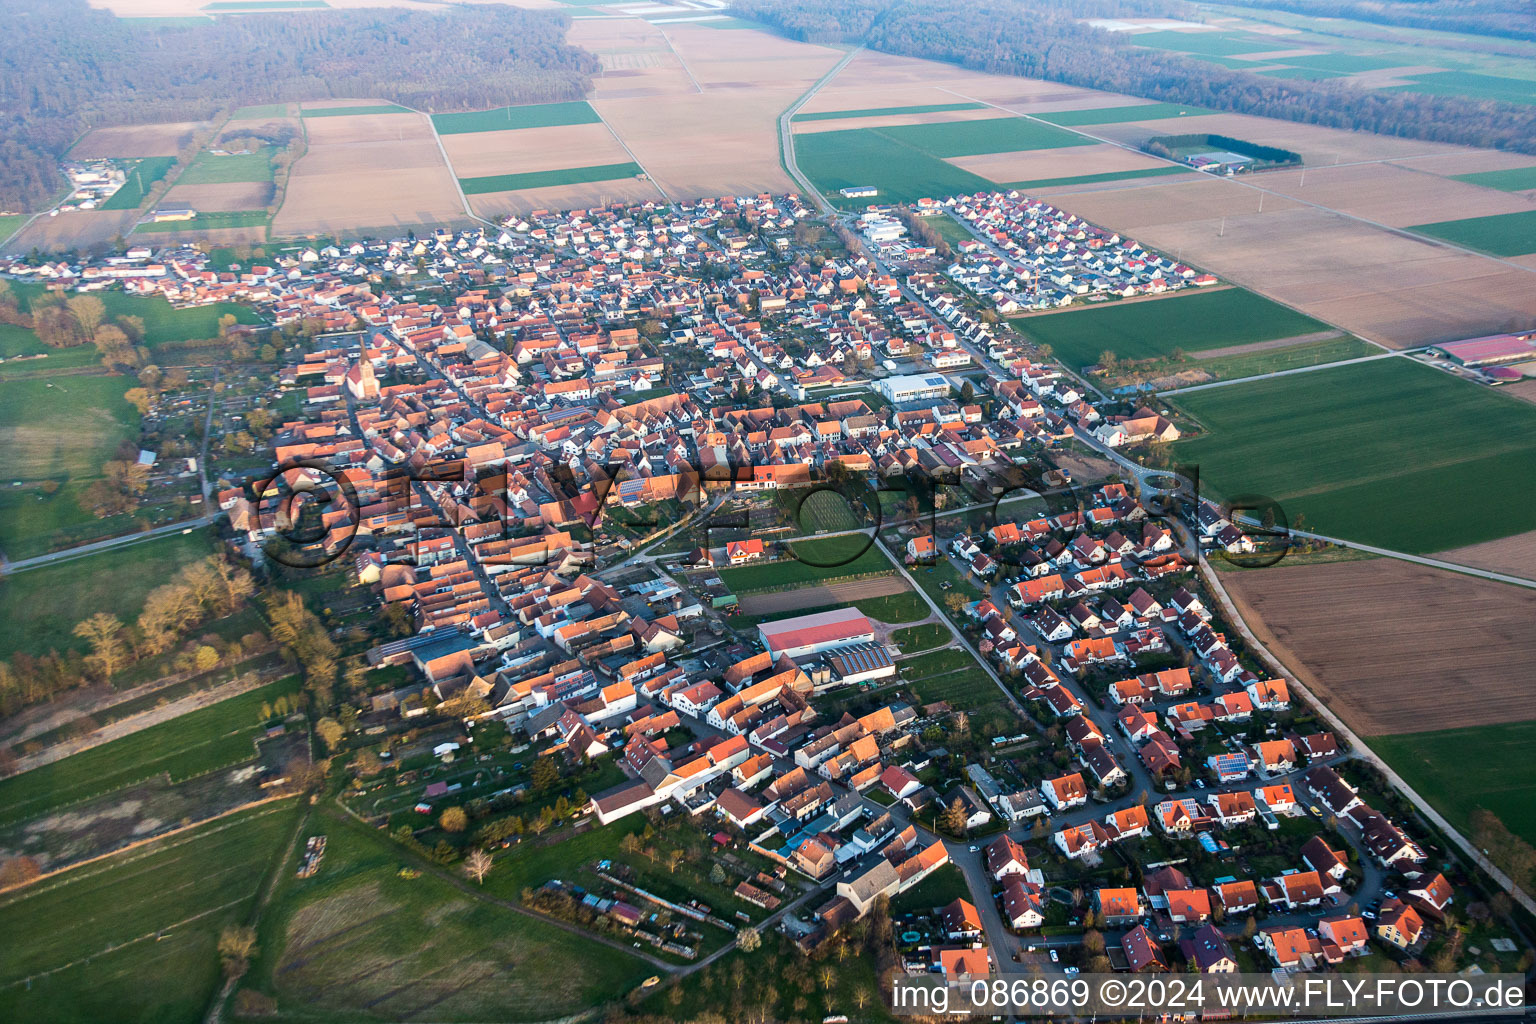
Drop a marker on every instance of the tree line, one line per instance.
(202, 591)
(69, 67)
(1046, 39)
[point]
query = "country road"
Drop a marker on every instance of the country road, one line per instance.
(787, 133)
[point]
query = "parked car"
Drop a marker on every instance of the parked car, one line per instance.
(1055, 957)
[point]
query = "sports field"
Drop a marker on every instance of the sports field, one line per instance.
(537, 115)
(1155, 327)
(1090, 179)
(133, 939)
(1505, 234)
(1389, 452)
(1517, 179)
(221, 735)
(922, 108)
(210, 169)
(815, 560)
(1116, 115)
(1501, 775)
(545, 179)
(141, 178)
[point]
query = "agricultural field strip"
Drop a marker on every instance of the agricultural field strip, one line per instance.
(1240, 180)
(1288, 372)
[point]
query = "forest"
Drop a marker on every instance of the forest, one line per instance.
(66, 67)
(1046, 39)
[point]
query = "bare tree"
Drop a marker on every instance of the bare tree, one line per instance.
(237, 944)
(477, 865)
(109, 646)
(748, 939)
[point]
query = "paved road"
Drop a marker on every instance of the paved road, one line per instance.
(1287, 373)
(787, 133)
(94, 547)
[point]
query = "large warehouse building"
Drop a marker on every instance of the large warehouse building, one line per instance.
(805, 635)
(914, 387)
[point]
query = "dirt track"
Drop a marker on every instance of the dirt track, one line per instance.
(819, 596)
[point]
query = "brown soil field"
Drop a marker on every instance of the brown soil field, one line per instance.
(493, 205)
(368, 171)
(882, 80)
(1318, 146)
(71, 230)
(1469, 161)
(1035, 164)
(1513, 555)
(474, 154)
(1395, 647)
(636, 58)
(724, 140)
(209, 236)
(238, 195)
(1393, 195)
(817, 597)
(886, 120)
(1395, 289)
(137, 140)
(1525, 389)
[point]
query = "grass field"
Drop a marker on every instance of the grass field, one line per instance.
(907, 162)
(923, 108)
(975, 138)
(1343, 63)
(1389, 452)
(921, 638)
(141, 177)
(10, 224)
(260, 110)
(939, 889)
(1504, 234)
(162, 321)
(219, 736)
(1306, 74)
(1191, 321)
(1519, 179)
(379, 108)
(546, 179)
(1311, 353)
(1473, 86)
(430, 950)
(1217, 44)
(1118, 115)
(60, 430)
(1498, 776)
(133, 939)
(537, 115)
(830, 512)
(209, 169)
(41, 606)
(865, 156)
(1089, 179)
(209, 221)
(827, 558)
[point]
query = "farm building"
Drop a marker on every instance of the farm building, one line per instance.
(858, 192)
(1493, 350)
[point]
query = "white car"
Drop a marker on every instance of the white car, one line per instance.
(1055, 958)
